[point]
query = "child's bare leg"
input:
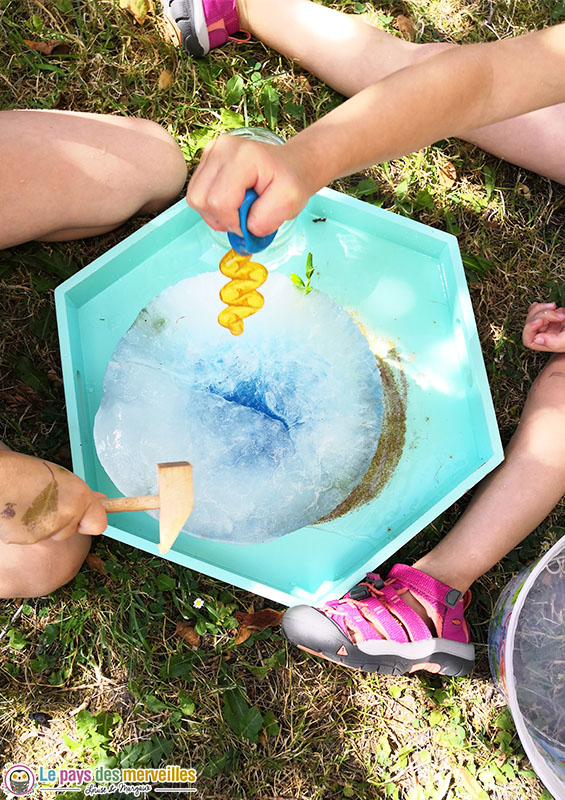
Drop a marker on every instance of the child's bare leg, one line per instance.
(341, 49)
(66, 175)
(350, 54)
(512, 501)
(33, 570)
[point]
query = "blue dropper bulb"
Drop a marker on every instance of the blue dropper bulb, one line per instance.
(248, 243)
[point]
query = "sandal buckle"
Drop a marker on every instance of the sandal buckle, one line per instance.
(362, 591)
(359, 592)
(452, 598)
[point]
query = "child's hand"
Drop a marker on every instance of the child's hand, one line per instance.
(545, 328)
(232, 164)
(40, 500)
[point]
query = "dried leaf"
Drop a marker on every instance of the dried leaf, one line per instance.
(267, 618)
(18, 394)
(243, 635)
(95, 563)
(48, 48)
(473, 789)
(447, 175)
(406, 26)
(492, 224)
(44, 504)
(139, 8)
(186, 631)
(166, 79)
(524, 190)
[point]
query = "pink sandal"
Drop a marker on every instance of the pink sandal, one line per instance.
(372, 629)
(202, 25)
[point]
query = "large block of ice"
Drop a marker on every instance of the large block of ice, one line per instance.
(404, 284)
(280, 424)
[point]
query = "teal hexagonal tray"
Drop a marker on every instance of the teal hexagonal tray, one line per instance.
(405, 282)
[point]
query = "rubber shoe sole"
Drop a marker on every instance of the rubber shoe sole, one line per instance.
(187, 19)
(310, 630)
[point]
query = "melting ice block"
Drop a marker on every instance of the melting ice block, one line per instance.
(280, 424)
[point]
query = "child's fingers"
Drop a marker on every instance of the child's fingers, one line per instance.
(538, 308)
(217, 198)
(555, 340)
(531, 329)
(540, 344)
(212, 192)
(553, 315)
(541, 320)
(214, 224)
(218, 186)
(65, 533)
(549, 343)
(280, 202)
(535, 307)
(94, 520)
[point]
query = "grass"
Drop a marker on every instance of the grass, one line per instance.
(103, 657)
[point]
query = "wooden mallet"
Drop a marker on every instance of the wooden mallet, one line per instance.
(175, 501)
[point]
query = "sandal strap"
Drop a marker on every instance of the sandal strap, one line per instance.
(222, 20)
(377, 613)
(373, 610)
(444, 604)
(410, 620)
(368, 619)
(415, 626)
(376, 610)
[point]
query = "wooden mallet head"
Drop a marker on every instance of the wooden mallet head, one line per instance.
(175, 501)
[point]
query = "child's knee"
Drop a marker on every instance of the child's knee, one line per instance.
(162, 157)
(424, 51)
(38, 569)
(557, 365)
(552, 377)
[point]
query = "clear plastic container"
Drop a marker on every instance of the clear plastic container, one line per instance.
(526, 647)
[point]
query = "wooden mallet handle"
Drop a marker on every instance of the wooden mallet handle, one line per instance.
(113, 505)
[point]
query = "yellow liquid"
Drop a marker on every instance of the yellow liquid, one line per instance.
(240, 294)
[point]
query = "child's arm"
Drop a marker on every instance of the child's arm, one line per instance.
(544, 328)
(40, 500)
(457, 90)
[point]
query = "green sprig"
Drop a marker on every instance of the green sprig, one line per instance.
(299, 282)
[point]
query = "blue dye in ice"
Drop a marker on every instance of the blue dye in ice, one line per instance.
(280, 424)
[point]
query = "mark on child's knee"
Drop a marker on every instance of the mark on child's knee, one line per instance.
(9, 511)
(558, 374)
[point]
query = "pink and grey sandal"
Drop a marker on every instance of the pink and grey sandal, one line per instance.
(372, 629)
(201, 25)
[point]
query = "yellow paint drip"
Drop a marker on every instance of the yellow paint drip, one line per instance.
(240, 294)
